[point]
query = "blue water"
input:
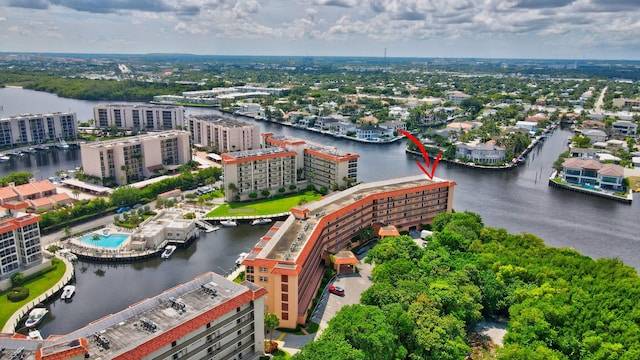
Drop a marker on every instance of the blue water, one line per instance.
(108, 241)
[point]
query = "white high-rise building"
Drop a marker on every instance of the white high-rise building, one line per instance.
(139, 117)
(37, 128)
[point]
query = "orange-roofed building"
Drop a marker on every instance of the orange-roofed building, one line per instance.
(8, 194)
(20, 246)
(371, 120)
(321, 165)
(209, 317)
(289, 259)
(42, 204)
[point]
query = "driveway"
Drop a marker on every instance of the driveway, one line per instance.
(353, 284)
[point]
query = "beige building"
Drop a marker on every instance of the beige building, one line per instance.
(135, 158)
(289, 260)
(139, 117)
(253, 171)
(223, 134)
(37, 128)
(322, 166)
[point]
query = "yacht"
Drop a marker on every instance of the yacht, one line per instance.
(228, 223)
(241, 258)
(168, 250)
(68, 292)
(4, 158)
(34, 334)
(262, 221)
(36, 316)
(63, 144)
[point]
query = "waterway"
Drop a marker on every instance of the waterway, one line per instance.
(519, 200)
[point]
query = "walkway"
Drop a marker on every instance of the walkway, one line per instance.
(12, 323)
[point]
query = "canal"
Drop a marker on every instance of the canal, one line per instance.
(519, 200)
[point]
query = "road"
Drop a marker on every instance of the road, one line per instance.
(598, 105)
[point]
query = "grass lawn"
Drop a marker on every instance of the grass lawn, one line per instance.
(264, 207)
(36, 288)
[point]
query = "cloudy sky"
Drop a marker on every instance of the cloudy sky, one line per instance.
(574, 29)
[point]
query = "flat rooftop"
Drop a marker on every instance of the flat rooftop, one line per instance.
(329, 150)
(256, 152)
(222, 121)
(146, 319)
(133, 140)
(286, 245)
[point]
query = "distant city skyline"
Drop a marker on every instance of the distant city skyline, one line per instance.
(537, 29)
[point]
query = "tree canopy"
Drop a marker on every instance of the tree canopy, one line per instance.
(423, 301)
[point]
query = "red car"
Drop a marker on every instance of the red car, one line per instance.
(336, 290)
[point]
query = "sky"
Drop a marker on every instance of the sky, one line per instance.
(541, 29)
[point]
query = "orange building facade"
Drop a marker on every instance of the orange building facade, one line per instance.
(289, 259)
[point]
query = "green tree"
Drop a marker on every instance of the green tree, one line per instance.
(124, 195)
(271, 321)
(329, 346)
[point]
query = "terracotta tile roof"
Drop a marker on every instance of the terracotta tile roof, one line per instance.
(612, 170)
(62, 197)
(388, 230)
(44, 185)
(27, 190)
(7, 193)
(42, 202)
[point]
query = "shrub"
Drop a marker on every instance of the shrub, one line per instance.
(282, 190)
(253, 195)
(17, 279)
(18, 293)
(53, 248)
(323, 190)
(293, 187)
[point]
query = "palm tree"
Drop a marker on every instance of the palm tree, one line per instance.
(271, 321)
(76, 193)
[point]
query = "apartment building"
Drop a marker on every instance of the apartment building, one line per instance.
(139, 117)
(135, 158)
(223, 134)
(320, 165)
(37, 128)
(208, 317)
(289, 259)
(623, 103)
(19, 238)
(254, 171)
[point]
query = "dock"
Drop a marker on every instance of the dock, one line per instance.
(206, 226)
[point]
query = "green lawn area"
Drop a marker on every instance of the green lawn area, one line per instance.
(36, 288)
(264, 207)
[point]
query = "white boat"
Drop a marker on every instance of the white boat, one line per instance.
(34, 334)
(228, 223)
(168, 250)
(4, 158)
(241, 258)
(263, 221)
(68, 292)
(63, 144)
(36, 316)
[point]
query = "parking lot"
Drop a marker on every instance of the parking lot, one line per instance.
(353, 284)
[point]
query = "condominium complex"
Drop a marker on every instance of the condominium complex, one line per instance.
(322, 166)
(289, 259)
(19, 238)
(223, 134)
(254, 171)
(208, 317)
(37, 129)
(137, 157)
(139, 117)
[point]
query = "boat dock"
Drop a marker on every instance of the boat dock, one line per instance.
(206, 226)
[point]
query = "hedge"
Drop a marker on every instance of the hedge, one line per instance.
(18, 293)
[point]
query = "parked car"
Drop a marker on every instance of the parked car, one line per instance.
(122, 209)
(336, 290)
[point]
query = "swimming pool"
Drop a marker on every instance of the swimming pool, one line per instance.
(107, 241)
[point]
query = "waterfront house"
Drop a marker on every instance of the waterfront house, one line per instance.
(592, 173)
(581, 153)
(483, 153)
(595, 135)
(398, 113)
(346, 127)
(326, 123)
(528, 125)
(457, 97)
(624, 128)
(392, 126)
(368, 132)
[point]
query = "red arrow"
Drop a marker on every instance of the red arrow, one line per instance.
(424, 154)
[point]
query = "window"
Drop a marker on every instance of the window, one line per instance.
(173, 344)
(263, 269)
(285, 316)
(285, 287)
(285, 306)
(263, 278)
(285, 297)
(285, 278)
(238, 309)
